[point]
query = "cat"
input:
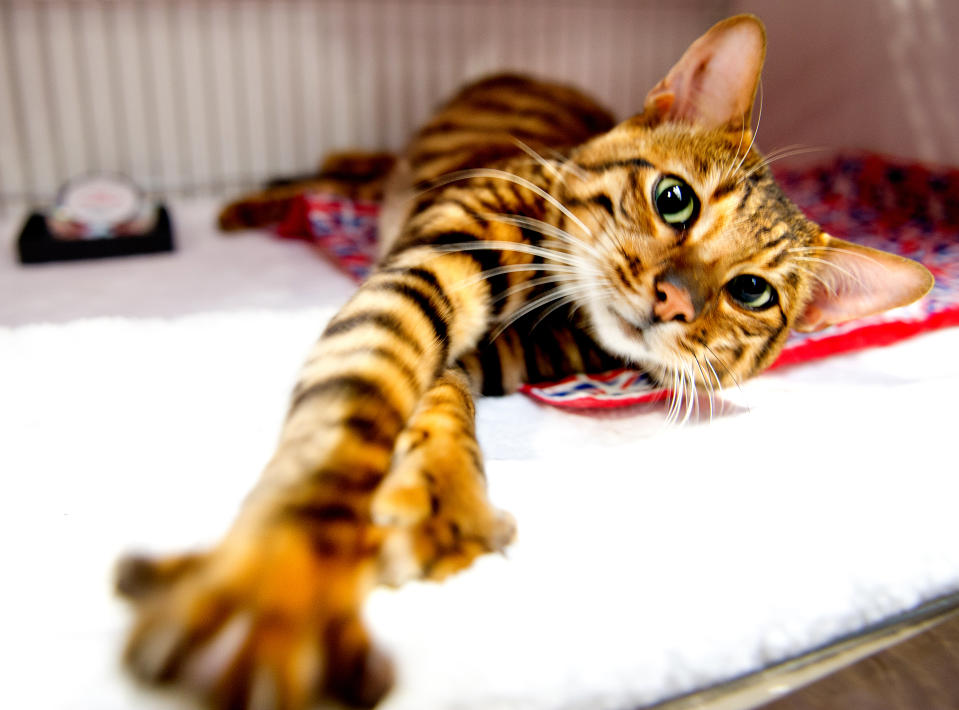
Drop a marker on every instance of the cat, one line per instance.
(525, 236)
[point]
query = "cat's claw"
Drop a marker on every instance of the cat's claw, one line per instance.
(272, 626)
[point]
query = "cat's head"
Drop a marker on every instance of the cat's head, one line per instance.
(697, 262)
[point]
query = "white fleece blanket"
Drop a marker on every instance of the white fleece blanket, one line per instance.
(650, 561)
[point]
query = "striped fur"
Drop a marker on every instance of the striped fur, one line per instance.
(522, 242)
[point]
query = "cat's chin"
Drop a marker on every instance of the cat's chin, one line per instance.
(643, 344)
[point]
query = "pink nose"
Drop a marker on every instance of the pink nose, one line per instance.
(673, 303)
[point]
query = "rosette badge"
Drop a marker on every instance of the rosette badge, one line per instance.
(99, 206)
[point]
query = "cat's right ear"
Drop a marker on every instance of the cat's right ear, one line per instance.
(714, 83)
(855, 281)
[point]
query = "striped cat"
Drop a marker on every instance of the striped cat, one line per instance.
(526, 237)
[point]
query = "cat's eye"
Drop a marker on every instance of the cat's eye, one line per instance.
(752, 292)
(676, 202)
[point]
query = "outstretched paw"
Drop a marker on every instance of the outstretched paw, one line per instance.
(435, 509)
(264, 623)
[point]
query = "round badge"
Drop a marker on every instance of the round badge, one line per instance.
(97, 204)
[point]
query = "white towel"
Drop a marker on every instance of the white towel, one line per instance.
(649, 562)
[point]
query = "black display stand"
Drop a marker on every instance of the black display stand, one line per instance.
(36, 244)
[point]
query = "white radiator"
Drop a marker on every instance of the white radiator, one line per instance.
(210, 95)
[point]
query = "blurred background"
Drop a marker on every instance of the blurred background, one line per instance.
(210, 96)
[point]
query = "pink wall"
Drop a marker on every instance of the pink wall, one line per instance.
(876, 74)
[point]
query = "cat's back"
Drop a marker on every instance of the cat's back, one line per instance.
(485, 123)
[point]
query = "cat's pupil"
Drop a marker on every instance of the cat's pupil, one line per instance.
(752, 286)
(676, 202)
(754, 292)
(673, 199)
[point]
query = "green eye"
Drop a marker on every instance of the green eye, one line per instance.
(752, 292)
(676, 202)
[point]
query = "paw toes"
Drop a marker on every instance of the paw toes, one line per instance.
(248, 662)
(265, 691)
(138, 576)
(169, 633)
(153, 652)
(209, 661)
(453, 560)
(275, 632)
(358, 674)
(374, 680)
(503, 532)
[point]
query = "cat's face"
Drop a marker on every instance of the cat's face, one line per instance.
(697, 262)
(694, 263)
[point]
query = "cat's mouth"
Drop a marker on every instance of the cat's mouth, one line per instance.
(638, 339)
(629, 327)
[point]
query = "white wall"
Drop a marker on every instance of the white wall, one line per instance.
(874, 74)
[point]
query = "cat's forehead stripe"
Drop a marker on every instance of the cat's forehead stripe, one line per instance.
(619, 163)
(724, 189)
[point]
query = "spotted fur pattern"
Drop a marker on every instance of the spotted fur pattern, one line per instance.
(523, 241)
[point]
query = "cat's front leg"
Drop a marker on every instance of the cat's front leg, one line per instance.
(270, 618)
(433, 505)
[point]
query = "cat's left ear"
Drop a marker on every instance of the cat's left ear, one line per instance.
(714, 83)
(855, 281)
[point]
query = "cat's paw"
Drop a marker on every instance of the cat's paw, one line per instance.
(435, 510)
(441, 545)
(263, 623)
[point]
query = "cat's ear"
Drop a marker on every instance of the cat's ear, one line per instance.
(714, 83)
(855, 281)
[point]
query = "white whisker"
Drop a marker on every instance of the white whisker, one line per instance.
(771, 158)
(504, 175)
(719, 383)
(532, 283)
(674, 405)
(488, 245)
(839, 250)
(830, 264)
(691, 394)
(556, 306)
(538, 158)
(566, 163)
(680, 379)
(545, 228)
(729, 169)
(539, 266)
(561, 292)
(673, 411)
(722, 362)
(812, 274)
(707, 382)
(759, 119)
